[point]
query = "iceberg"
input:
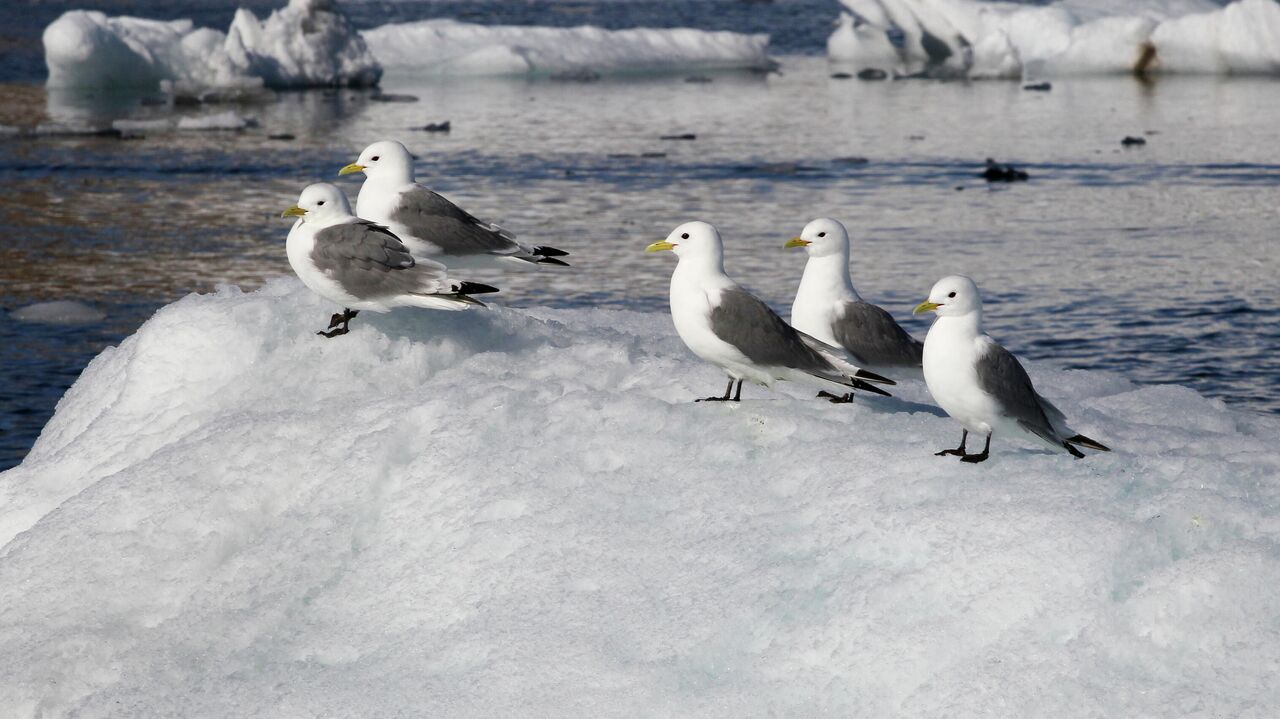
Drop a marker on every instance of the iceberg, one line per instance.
(448, 47)
(308, 43)
(969, 38)
(513, 512)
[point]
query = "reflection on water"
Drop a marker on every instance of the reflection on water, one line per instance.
(1158, 263)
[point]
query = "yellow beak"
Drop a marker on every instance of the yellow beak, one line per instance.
(294, 211)
(925, 307)
(659, 246)
(353, 167)
(797, 242)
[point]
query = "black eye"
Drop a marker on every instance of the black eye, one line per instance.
(822, 234)
(685, 236)
(322, 202)
(373, 159)
(952, 295)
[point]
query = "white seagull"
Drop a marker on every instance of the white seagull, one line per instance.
(981, 384)
(430, 225)
(732, 329)
(828, 307)
(361, 265)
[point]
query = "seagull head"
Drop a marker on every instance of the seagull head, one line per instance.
(692, 240)
(953, 296)
(822, 237)
(385, 160)
(318, 203)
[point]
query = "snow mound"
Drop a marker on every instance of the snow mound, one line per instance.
(966, 38)
(521, 513)
(449, 47)
(307, 43)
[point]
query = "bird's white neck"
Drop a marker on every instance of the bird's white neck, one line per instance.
(704, 269)
(826, 280)
(961, 327)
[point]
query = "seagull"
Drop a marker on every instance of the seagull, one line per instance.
(732, 329)
(981, 384)
(361, 265)
(828, 308)
(430, 225)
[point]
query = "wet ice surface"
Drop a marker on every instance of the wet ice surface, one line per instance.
(1158, 263)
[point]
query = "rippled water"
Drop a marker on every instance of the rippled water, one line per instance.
(1159, 263)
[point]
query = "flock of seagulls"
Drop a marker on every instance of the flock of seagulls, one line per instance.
(397, 248)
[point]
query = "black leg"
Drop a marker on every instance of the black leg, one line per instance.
(340, 322)
(837, 398)
(728, 388)
(737, 395)
(958, 451)
(981, 456)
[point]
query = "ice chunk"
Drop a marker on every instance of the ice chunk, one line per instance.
(457, 48)
(58, 312)
(1069, 37)
(228, 120)
(522, 513)
(307, 43)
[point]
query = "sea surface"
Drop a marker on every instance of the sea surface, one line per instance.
(1157, 262)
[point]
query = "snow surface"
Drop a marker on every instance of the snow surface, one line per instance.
(449, 47)
(1069, 37)
(307, 43)
(521, 513)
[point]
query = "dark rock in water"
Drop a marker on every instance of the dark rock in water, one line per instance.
(392, 97)
(653, 154)
(685, 136)
(281, 136)
(576, 76)
(840, 76)
(915, 138)
(1038, 87)
(959, 188)
(873, 73)
(1131, 141)
(154, 101)
(697, 79)
(996, 172)
(851, 160)
(435, 127)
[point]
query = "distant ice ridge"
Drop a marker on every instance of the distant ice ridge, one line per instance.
(966, 38)
(522, 513)
(305, 44)
(454, 48)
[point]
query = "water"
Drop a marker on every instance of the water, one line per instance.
(1158, 263)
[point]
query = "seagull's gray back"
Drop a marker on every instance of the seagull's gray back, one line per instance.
(746, 322)
(432, 218)
(1001, 375)
(371, 263)
(874, 339)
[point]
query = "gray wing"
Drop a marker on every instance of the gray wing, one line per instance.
(874, 339)
(747, 323)
(1003, 377)
(370, 262)
(432, 218)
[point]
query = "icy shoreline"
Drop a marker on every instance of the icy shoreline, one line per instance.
(520, 512)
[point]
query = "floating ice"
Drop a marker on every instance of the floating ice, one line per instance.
(307, 43)
(456, 48)
(229, 120)
(521, 513)
(58, 312)
(942, 38)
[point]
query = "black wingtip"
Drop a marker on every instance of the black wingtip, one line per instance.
(548, 251)
(551, 261)
(872, 377)
(859, 384)
(1084, 441)
(475, 288)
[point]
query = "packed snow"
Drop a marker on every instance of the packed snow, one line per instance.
(522, 513)
(448, 47)
(967, 38)
(305, 44)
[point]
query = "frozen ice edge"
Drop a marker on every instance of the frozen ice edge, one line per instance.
(511, 512)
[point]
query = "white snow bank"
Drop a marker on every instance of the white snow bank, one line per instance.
(456, 48)
(307, 43)
(966, 38)
(510, 513)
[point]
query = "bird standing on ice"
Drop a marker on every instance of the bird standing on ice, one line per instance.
(427, 223)
(361, 265)
(828, 308)
(981, 384)
(732, 329)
